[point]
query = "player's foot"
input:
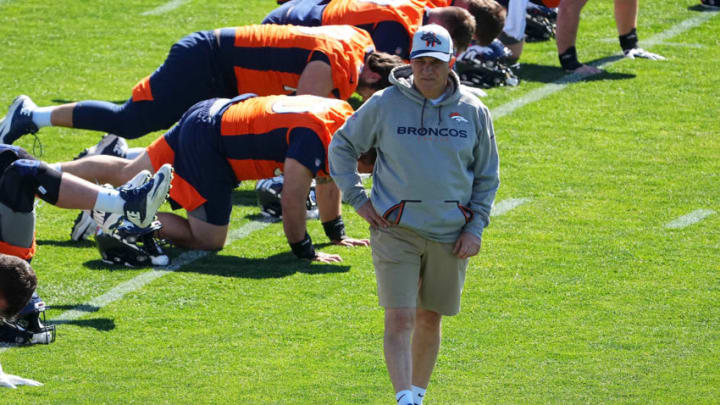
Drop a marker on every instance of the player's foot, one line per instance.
(110, 144)
(142, 203)
(83, 227)
(18, 121)
(710, 4)
(107, 221)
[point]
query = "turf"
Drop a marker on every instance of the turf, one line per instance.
(580, 295)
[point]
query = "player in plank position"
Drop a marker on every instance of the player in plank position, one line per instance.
(325, 61)
(390, 23)
(219, 142)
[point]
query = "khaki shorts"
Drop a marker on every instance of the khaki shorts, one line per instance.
(414, 272)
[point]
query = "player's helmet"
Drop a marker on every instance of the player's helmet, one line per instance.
(29, 327)
(269, 194)
(131, 246)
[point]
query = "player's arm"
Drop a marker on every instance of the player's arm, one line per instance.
(316, 79)
(295, 190)
(329, 200)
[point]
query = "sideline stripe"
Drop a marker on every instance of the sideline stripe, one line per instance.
(169, 6)
(550, 88)
(504, 206)
(689, 219)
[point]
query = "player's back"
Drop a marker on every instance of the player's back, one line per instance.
(269, 59)
(257, 134)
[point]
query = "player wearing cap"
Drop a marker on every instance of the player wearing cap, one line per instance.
(425, 224)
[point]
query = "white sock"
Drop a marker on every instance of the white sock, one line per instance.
(404, 397)
(132, 153)
(41, 116)
(56, 166)
(109, 200)
(418, 394)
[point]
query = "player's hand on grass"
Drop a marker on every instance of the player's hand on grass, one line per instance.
(350, 242)
(12, 381)
(467, 245)
(326, 258)
(587, 70)
(367, 211)
(641, 53)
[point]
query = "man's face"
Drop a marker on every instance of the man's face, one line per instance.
(430, 75)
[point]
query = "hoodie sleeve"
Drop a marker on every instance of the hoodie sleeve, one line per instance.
(356, 136)
(487, 175)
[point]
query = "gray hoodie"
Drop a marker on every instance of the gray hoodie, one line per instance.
(437, 167)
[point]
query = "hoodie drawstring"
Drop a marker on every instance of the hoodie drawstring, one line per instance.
(439, 115)
(422, 114)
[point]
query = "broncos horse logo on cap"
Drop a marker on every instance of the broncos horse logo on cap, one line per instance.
(430, 39)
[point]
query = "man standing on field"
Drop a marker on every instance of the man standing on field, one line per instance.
(435, 180)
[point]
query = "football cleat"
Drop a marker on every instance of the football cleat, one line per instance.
(131, 246)
(83, 227)
(710, 4)
(18, 121)
(110, 144)
(142, 203)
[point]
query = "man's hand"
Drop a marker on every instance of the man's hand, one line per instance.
(367, 211)
(12, 381)
(467, 245)
(326, 258)
(350, 242)
(641, 53)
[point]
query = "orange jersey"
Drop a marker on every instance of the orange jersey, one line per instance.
(361, 12)
(258, 134)
(269, 59)
(439, 3)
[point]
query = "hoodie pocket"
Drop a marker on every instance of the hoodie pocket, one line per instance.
(438, 216)
(467, 212)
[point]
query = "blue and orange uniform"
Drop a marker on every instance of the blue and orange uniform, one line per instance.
(219, 142)
(391, 23)
(261, 59)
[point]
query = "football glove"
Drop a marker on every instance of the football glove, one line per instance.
(641, 53)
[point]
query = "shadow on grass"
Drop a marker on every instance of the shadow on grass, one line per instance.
(552, 74)
(245, 198)
(276, 266)
(699, 7)
(101, 324)
(67, 243)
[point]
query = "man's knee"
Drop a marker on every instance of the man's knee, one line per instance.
(427, 319)
(399, 320)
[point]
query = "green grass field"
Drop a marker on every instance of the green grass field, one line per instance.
(581, 294)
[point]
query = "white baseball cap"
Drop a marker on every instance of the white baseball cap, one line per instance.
(432, 40)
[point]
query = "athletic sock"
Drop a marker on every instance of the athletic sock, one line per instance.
(629, 40)
(132, 153)
(418, 394)
(41, 116)
(404, 397)
(109, 200)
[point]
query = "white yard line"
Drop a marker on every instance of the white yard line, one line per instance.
(505, 206)
(560, 84)
(689, 219)
(169, 6)
(647, 44)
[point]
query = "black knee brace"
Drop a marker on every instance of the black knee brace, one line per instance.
(24, 179)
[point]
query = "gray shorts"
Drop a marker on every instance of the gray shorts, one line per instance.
(414, 272)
